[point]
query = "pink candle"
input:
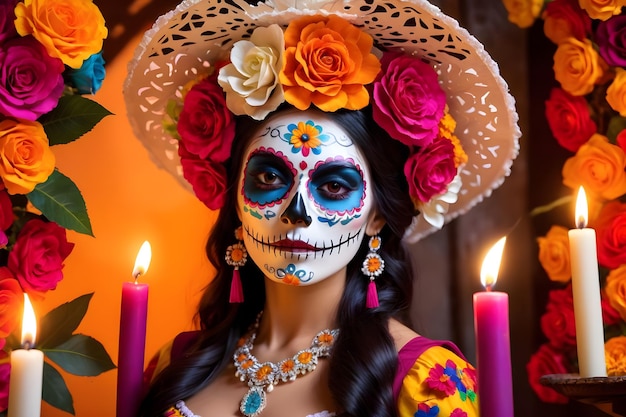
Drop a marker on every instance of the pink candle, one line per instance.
(493, 348)
(132, 340)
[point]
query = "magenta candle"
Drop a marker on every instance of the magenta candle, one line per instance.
(493, 346)
(132, 342)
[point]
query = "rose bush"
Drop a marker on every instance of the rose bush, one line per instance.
(50, 55)
(586, 115)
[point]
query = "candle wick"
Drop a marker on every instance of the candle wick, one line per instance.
(488, 287)
(27, 345)
(136, 276)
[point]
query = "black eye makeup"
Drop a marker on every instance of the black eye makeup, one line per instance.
(268, 177)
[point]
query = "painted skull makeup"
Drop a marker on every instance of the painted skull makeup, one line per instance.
(304, 199)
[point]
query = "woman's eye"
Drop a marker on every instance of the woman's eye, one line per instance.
(269, 180)
(334, 190)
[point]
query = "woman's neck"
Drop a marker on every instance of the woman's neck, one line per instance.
(293, 315)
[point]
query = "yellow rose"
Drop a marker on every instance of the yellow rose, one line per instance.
(616, 93)
(523, 12)
(554, 254)
(615, 289)
(615, 354)
(25, 157)
(71, 30)
(578, 66)
(602, 9)
(599, 167)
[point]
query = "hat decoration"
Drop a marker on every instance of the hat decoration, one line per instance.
(430, 84)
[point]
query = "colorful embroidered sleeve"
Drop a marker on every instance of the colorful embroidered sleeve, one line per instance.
(439, 384)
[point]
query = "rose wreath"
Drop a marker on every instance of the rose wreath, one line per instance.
(50, 56)
(587, 116)
(273, 67)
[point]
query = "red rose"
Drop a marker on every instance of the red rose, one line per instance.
(567, 13)
(611, 230)
(546, 361)
(207, 179)
(6, 210)
(430, 170)
(569, 119)
(557, 323)
(38, 254)
(621, 139)
(11, 298)
(610, 315)
(206, 126)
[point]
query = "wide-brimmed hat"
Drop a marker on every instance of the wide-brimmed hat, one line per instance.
(188, 41)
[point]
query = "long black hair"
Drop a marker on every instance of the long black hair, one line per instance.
(364, 359)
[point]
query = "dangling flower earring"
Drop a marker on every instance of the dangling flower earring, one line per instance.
(236, 256)
(373, 266)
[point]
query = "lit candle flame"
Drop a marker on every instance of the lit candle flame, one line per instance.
(142, 262)
(491, 264)
(582, 211)
(29, 324)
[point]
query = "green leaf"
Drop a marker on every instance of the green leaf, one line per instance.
(74, 116)
(58, 325)
(60, 201)
(55, 391)
(616, 125)
(81, 355)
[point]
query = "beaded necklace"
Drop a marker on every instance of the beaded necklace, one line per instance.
(262, 377)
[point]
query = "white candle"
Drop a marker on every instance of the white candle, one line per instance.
(586, 290)
(26, 370)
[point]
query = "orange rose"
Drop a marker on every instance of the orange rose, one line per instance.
(615, 289)
(615, 353)
(523, 12)
(554, 254)
(578, 66)
(602, 9)
(616, 93)
(25, 157)
(71, 30)
(599, 167)
(328, 62)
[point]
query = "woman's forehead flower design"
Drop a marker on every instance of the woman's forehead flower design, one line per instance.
(306, 136)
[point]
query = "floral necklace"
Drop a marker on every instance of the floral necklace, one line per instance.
(262, 377)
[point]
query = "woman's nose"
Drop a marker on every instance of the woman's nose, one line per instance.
(296, 213)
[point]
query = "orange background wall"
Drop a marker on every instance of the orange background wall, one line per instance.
(129, 200)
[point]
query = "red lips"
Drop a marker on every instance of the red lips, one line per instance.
(293, 246)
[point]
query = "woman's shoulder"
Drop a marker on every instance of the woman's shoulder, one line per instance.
(433, 377)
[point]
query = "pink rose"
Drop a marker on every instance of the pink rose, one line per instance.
(6, 210)
(7, 16)
(207, 179)
(206, 126)
(430, 170)
(38, 255)
(569, 119)
(611, 235)
(30, 80)
(546, 361)
(11, 298)
(611, 40)
(408, 101)
(5, 371)
(621, 139)
(557, 323)
(565, 18)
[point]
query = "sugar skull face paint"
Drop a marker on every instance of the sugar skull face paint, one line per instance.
(304, 197)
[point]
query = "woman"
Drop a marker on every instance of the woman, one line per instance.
(318, 153)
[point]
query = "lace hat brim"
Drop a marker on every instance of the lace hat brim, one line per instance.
(186, 40)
